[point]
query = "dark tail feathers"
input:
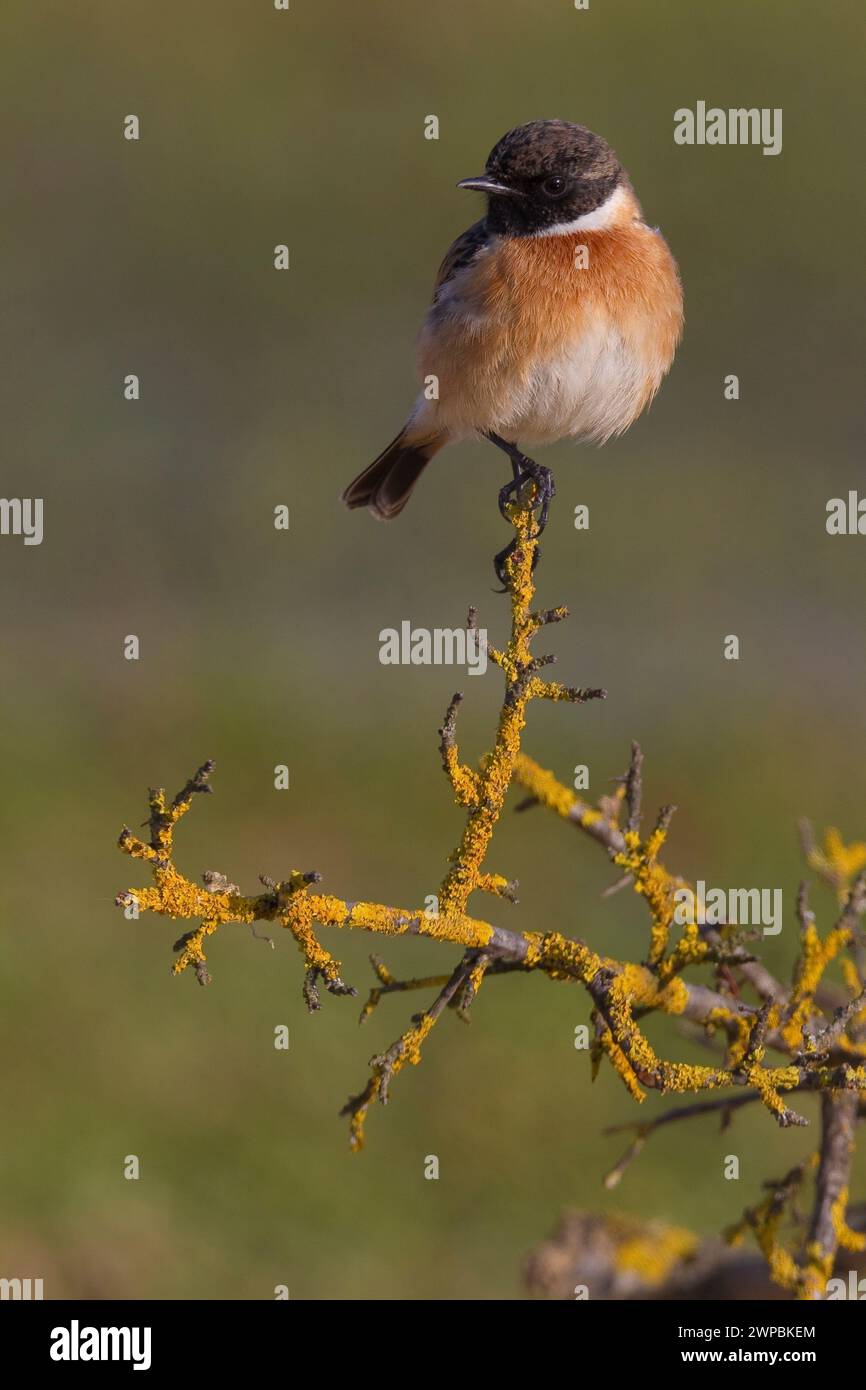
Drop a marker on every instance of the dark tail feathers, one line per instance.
(386, 483)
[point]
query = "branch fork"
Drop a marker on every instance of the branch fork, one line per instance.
(817, 1052)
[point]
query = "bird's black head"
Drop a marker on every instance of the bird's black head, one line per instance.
(544, 174)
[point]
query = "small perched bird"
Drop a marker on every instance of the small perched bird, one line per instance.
(556, 316)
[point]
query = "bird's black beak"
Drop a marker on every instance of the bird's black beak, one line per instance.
(485, 184)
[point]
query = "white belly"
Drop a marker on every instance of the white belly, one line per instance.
(590, 391)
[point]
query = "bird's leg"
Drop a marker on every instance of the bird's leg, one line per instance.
(523, 469)
(510, 490)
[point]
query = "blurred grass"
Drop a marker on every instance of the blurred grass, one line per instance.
(260, 647)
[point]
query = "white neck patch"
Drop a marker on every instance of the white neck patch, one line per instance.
(605, 215)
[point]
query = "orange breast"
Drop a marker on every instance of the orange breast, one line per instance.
(532, 301)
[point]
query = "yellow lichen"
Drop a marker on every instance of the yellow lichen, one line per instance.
(654, 1253)
(621, 992)
(836, 862)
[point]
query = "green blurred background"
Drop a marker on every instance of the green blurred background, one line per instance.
(260, 647)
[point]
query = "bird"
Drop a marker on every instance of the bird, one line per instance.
(555, 316)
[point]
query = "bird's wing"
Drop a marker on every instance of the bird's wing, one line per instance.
(464, 249)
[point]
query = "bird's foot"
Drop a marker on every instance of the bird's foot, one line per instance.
(525, 470)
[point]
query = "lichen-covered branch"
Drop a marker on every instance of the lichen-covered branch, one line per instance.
(819, 1045)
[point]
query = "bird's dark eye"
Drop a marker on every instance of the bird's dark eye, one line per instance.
(554, 187)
